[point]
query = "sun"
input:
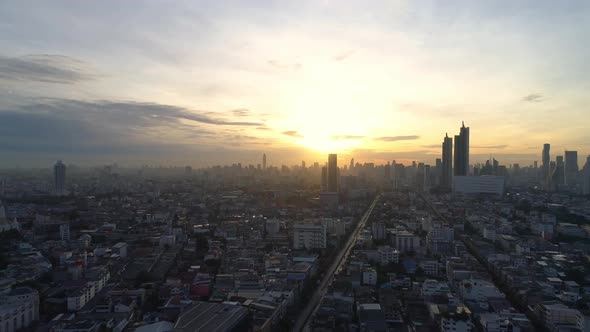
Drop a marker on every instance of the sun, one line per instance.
(328, 113)
(327, 143)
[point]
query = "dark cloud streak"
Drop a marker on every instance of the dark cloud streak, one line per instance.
(534, 98)
(44, 68)
(397, 138)
(292, 133)
(345, 137)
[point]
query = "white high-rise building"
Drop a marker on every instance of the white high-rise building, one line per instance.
(18, 309)
(309, 235)
(387, 255)
(64, 232)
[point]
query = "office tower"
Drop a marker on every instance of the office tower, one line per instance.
(447, 162)
(557, 173)
(264, 161)
(324, 178)
(64, 232)
(462, 151)
(351, 164)
(571, 168)
(303, 164)
(585, 174)
(332, 172)
(536, 170)
(545, 163)
(309, 235)
(387, 172)
(59, 172)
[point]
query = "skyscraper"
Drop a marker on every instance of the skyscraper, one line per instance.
(332, 172)
(59, 173)
(545, 160)
(462, 151)
(558, 173)
(264, 161)
(585, 174)
(571, 168)
(324, 178)
(447, 162)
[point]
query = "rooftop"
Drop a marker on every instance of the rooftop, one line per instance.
(205, 316)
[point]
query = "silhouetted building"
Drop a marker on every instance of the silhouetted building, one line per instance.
(585, 174)
(545, 163)
(447, 162)
(571, 168)
(324, 178)
(332, 172)
(558, 173)
(264, 161)
(462, 151)
(59, 173)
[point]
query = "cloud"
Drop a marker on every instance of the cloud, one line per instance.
(285, 66)
(147, 113)
(47, 68)
(57, 127)
(534, 98)
(292, 133)
(262, 128)
(344, 137)
(343, 56)
(397, 138)
(431, 146)
(503, 146)
(241, 112)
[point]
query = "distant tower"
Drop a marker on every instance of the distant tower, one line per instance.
(462, 151)
(324, 178)
(545, 160)
(351, 164)
(264, 161)
(59, 172)
(332, 172)
(447, 162)
(585, 174)
(557, 174)
(571, 168)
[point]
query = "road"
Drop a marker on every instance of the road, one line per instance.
(305, 315)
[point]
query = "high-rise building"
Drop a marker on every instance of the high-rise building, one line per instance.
(571, 168)
(558, 173)
(545, 163)
(462, 151)
(324, 178)
(59, 173)
(64, 232)
(585, 174)
(332, 172)
(264, 161)
(387, 172)
(309, 235)
(447, 162)
(303, 164)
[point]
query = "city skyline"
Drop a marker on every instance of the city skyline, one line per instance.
(225, 83)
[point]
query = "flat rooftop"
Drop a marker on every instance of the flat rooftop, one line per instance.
(211, 317)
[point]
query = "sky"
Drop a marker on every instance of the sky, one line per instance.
(214, 82)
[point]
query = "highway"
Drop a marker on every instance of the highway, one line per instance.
(304, 317)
